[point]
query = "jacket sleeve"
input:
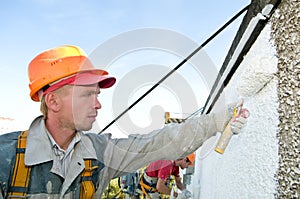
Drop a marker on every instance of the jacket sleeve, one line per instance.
(171, 142)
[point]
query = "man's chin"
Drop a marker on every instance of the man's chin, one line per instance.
(84, 128)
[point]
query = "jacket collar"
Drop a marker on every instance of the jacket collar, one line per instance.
(39, 147)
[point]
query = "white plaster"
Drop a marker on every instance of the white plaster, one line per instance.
(239, 48)
(247, 168)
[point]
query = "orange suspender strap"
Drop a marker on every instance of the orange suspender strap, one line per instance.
(144, 191)
(146, 187)
(87, 187)
(21, 174)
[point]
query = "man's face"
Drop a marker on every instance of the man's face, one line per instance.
(184, 163)
(81, 105)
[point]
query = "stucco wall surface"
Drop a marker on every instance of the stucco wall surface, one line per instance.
(286, 33)
(248, 167)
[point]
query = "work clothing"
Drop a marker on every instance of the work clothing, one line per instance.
(160, 169)
(111, 157)
(148, 186)
(155, 195)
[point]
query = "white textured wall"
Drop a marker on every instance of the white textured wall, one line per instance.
(247, 168)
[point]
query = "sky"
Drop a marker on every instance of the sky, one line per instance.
(32, 26)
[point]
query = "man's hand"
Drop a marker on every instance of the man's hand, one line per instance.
(239, 119)
(235, 115)
(237, 123)
(185, 194)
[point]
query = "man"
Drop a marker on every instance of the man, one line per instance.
(55, 159)
(157, 176)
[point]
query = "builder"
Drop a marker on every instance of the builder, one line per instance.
(156, 177)
(55, 159)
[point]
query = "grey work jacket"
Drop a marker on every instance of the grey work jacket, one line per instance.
(114, 157)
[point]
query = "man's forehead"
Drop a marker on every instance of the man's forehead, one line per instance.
(94, 87)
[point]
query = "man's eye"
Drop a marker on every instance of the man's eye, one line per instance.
(87, 94)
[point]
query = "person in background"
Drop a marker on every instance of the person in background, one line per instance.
(156, 177)
(57, 158)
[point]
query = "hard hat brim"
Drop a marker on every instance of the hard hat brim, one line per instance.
(88, 78)
(82, 79)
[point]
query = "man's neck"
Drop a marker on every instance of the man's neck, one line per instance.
(62, 136)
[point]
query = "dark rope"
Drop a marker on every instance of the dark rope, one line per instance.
(178, 66)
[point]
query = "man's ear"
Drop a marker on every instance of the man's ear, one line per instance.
(53, 102)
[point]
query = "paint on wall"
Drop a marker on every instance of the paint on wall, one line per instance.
(247, 168)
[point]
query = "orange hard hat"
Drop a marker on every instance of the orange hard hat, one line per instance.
(191, 158)
(60, 63)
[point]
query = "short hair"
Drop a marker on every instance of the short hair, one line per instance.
(43, 105)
